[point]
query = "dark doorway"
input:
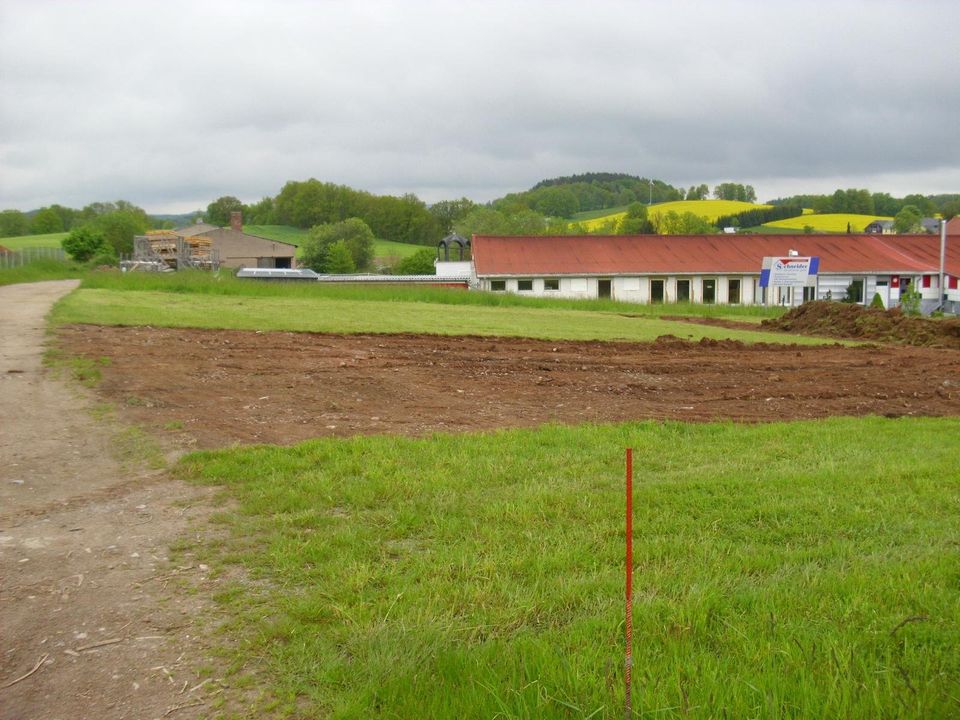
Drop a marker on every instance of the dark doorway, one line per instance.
(709, 291)
(283, 262)
(656, 291)
(683, 291)
(733, 291)
(603, 289)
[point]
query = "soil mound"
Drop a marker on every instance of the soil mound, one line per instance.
(844, 320)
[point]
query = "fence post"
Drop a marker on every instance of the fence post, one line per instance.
(628, 663)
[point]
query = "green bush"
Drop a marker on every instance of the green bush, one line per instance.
(85, 242)
(877, 301)
(420, 263)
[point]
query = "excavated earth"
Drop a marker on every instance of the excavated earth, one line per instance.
(211, 388)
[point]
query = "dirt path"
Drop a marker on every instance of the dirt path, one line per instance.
(83, 540)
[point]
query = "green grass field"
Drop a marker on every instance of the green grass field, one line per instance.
(833, 222)
(339, 314)
(804, 570)
(202, 284)
(40, 270)
(389, 248)
(281, 233)
(33, 241)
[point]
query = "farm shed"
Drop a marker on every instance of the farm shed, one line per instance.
(721, 269)
(238, 249)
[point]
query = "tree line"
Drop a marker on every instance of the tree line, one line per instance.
(863, 202)
(119, 221)
(751, 218)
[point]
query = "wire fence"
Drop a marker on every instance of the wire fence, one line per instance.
(26, 256)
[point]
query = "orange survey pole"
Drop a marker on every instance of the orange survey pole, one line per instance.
(628, 666)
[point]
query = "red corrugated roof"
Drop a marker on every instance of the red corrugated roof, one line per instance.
(953, 226)
(681, 254)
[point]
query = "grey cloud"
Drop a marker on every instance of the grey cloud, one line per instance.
(173, 104)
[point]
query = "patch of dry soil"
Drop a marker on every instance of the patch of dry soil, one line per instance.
(223, 387)
(90, 623)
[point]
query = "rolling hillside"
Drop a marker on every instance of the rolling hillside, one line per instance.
(33, 241)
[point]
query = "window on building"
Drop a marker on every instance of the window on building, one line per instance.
(524, 285)
(709, 290)
(928, 281)
(498, 285)
(656, 291)
(551, 283)
(809, 294)
(683, 291)
(733, 291)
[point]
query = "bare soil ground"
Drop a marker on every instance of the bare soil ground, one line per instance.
(214, 388)
(90, 622)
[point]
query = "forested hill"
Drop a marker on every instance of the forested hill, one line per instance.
(565, 196)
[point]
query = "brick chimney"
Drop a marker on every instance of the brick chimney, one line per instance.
(236, 221)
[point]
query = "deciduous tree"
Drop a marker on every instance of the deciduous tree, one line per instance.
(13, 223)
(907, 220)
(83, 243)
(635, 222)
(339, 259)
(356, 237)
(47, 220)
(686, 223)
(218, 212)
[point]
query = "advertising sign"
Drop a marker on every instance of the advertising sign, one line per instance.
(791, 271)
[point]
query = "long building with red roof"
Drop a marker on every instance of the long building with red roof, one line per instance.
(716, 268)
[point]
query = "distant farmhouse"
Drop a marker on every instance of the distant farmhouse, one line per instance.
(239, 249)
(207, 246)
(885, 227)
(721, 269)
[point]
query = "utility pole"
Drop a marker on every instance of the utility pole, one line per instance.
(943, 258)
(650, 200)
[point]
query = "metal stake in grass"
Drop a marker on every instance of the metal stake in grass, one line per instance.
(628, 663)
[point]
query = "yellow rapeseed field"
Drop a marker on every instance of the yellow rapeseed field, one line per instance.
(830, 222)
(709, 209)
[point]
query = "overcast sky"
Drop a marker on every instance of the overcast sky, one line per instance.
(173, 104)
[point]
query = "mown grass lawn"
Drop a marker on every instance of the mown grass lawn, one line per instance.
(805, 570)
(202, 284)
(302, 312)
